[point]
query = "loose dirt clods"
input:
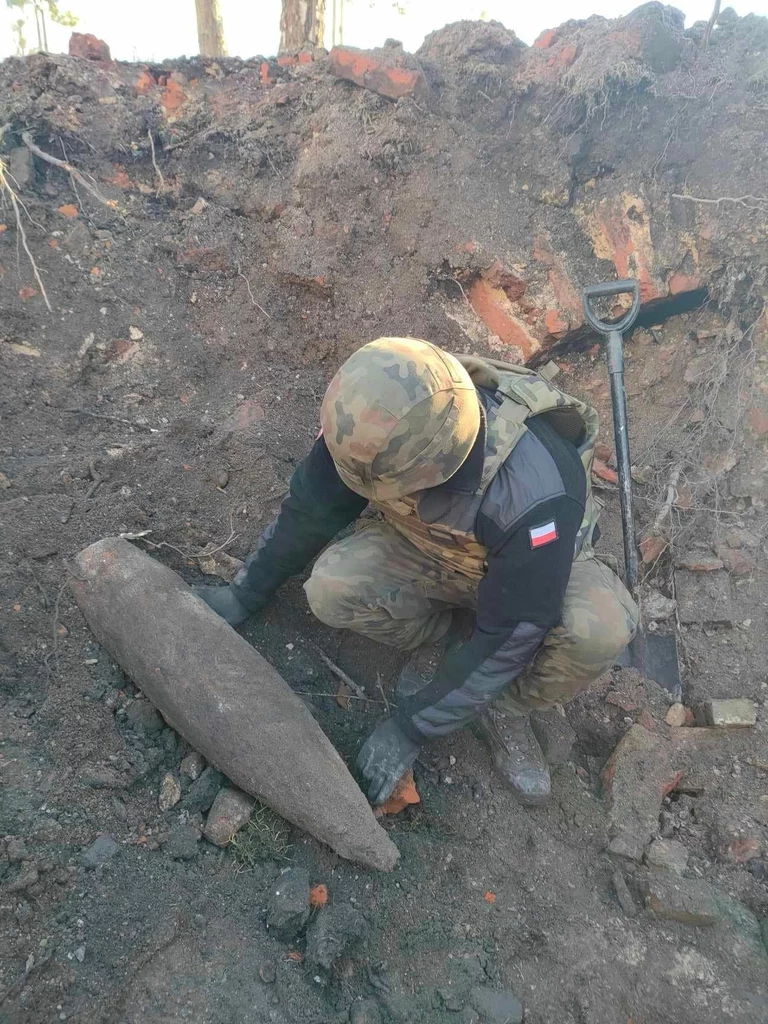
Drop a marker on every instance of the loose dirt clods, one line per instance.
(258, 223)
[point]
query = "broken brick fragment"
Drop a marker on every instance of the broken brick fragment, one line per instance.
(89, 47)
(382, 71)
(638, 775)
(545, 40)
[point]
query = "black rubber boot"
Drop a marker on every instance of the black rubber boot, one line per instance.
(517, 756)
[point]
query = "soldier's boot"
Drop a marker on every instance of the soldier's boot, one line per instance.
(420, 669)
(517, 756)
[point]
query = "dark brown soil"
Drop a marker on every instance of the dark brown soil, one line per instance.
(175, 385)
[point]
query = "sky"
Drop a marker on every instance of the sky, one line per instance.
(152, 31)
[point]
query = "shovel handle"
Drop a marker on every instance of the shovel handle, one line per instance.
(601, 291)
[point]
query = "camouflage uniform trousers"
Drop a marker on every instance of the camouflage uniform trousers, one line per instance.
(375, 582)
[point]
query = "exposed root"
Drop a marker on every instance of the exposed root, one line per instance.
(73, 172)
(158, 172)
(749, 202)
(250, 293)
(7, 188)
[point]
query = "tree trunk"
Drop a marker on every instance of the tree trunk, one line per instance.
(210, 29)
(302, 25)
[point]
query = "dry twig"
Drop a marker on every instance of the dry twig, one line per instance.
(73, 172)
(342, 675)
(113, 419)
(381, 691)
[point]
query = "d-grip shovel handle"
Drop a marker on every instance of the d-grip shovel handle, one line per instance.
(601, 291)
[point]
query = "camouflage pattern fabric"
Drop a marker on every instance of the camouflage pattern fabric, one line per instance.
(375, 582)
(521, 394)
(399, 416)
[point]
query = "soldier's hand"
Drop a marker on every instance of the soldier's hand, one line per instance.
(385, 756)
(224, 603)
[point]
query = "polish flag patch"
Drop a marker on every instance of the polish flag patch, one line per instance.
(541, 535)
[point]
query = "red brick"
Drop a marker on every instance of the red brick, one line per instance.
(603, 472)
(266, 78)
(567, 55)
(244, 416)
(173, 96)
(556, 325)
(305, 57)
(287, 60)
(739, 849)
(495, 309)
(546, 39)
(145, 82)
(367, 70)
(652, 548)
(679, 283)
(83, 44)
(758, 422)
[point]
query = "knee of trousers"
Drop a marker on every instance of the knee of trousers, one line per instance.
(608, 632)
(335, 600)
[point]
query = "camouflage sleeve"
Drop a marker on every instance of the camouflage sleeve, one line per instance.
(317, 507)
(519, 599)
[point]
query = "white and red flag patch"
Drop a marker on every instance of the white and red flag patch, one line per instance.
(541, 535)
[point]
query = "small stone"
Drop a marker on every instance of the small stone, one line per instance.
(27, 877)
(170, 792)
(222, 478)
(80, 954)
(135, 333)
(268, 973)
(288, 909)
(686, 900)
(496, 1006)
(144, 718)
(193, 765)
(23, 912)
(203, 792)
(365, 1012)
(119, 809)
(5, 483)
(759, 868)
(554, 734)
(675, 715)
(699, 563)
(657, 607)
(183, 844)
(20, 165)
(99, 852)
(623, 895)
(737, 561)
(730, 714)
(738, 849)
(332, 931)
(16, 850)
(230, 811)
(667, 855)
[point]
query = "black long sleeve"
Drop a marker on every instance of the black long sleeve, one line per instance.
(318, 506)
(519, 599)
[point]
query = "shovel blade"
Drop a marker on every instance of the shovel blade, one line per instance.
(655, 657)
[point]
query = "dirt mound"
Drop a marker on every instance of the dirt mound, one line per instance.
(213, 238)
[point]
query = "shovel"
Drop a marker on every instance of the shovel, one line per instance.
(653, 656)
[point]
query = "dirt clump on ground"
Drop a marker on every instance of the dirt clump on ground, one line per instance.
(214, 238)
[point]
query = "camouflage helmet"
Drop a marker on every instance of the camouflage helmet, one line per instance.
(400, 415)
